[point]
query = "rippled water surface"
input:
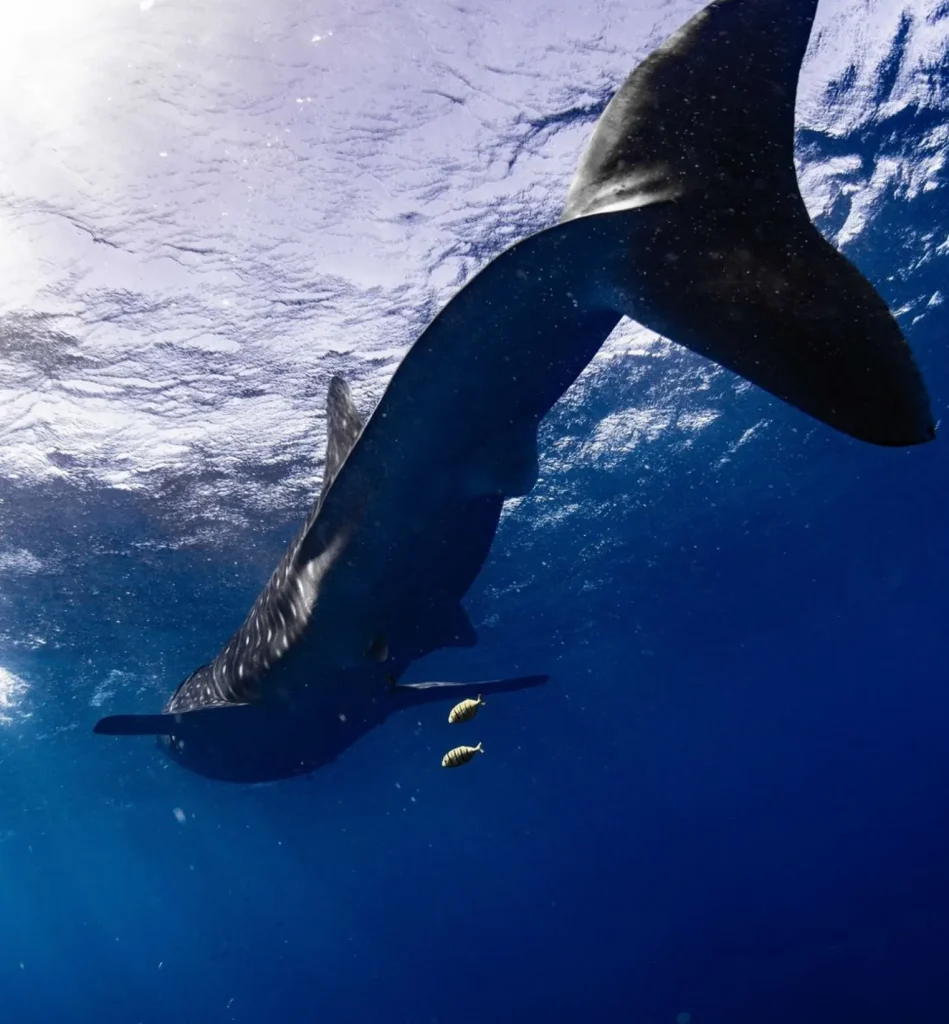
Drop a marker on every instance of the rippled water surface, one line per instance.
(729, 803)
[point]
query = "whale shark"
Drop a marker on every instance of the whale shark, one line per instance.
(279, 702)
(685, 215)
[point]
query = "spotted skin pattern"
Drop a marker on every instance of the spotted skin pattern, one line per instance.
(282, 610)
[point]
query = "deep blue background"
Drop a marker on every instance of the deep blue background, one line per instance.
(730, 801)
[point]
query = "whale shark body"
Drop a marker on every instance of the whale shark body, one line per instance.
(685, 215)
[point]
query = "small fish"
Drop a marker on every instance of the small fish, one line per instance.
(464, 711)
(460, 756)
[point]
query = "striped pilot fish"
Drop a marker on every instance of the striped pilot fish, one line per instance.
(465, 710)
(460, 755)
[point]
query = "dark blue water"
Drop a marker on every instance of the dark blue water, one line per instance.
(730, 802)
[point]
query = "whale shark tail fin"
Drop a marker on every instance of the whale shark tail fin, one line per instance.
(712, 108)
(728, 263)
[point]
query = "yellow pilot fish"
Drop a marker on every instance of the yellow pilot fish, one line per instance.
(464, 711)
(460, 755)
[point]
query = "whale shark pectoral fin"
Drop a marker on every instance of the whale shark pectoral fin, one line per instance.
(729, 263)
(343, 426)
(166, 724)
(135, 725)
(425, 693)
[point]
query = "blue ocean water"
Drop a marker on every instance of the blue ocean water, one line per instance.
(727, 806)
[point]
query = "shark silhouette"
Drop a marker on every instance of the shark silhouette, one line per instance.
(685, 215)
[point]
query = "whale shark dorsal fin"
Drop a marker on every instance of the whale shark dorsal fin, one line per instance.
(343, 426)
(728, 262)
